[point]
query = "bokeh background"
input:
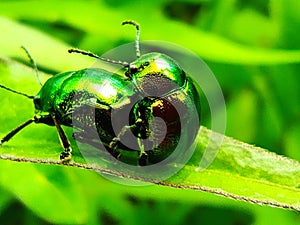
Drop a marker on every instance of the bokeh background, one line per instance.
(252, 47)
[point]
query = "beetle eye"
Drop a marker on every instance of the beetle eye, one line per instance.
(37, 102)
(146, 63)
(132, 69)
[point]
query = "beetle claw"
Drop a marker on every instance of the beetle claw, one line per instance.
(113, 146)
(114, 143)
(143, 159)
(65, 156)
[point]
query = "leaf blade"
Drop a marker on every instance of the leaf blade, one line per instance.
(207, 45)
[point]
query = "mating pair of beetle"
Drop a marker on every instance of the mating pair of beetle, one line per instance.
(121, 108)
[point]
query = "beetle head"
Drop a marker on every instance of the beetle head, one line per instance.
(156, 74)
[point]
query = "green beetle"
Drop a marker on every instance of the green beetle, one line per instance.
(122, 108)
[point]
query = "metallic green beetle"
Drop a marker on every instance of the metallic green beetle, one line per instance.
(121, 108)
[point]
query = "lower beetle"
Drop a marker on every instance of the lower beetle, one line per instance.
(121, 108)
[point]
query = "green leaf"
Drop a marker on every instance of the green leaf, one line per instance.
(260, 32)
(285, 13)
(17, 35)
(36, 188)
(239, 171)
(244, 105)
(5, 199)
(292, 142)
(244, 172)
(205, 44)
(55, 185)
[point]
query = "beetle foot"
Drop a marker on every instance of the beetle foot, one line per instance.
(143, 159)
(113, 148)
(114, 143)
(66, 155)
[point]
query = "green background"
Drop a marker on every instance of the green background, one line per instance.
(252, 47)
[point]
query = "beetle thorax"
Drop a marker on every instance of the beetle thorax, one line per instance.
(156, 74)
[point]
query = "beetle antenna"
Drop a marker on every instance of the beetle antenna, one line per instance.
(137, 39)
(17, 92)
(75, 50)
(33, 64)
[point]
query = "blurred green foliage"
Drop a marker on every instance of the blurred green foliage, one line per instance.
(252, 46)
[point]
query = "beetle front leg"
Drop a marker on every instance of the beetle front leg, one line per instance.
(143, 156)
(66, 154)
(16, 130)
(114, 144)
(36, 119)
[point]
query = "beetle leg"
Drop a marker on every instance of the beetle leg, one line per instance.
(143, 157)
(114, 144)
(66, 154)
(16, 130)
(116, 140)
